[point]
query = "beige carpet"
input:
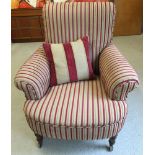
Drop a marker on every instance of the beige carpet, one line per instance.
(129, 141)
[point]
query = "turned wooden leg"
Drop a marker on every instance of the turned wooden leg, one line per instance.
(39, 140)
(112, 142)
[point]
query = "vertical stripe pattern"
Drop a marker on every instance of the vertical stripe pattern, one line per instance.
(80, 110)
(66, 22)
(118, 75)
(83, 110)
(33, 78)
(69, 62)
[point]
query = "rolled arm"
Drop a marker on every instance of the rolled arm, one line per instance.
(118, 76)
(33, 77)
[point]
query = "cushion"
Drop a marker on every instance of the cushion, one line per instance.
(69, 62)
(78, 110)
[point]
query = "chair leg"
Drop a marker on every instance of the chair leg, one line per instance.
(39, 140)
(112, 142)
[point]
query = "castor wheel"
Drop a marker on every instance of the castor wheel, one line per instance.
(39, 140)
(111, 143)
(39, 145)
(110, 148)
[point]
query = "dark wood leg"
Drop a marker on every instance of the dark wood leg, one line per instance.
(39, 140)
(112, 142)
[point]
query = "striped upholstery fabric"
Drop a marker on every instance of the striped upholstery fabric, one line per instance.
(66, 22)
(33, 77)
(69, 62)
(83, 110)
(79, 110)
(118, 75)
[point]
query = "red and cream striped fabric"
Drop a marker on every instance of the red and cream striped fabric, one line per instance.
(66, 22)
(78, 110)
(118, 75)
(69, 62)
(33, 78)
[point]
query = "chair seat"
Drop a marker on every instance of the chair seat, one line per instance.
(81, 104)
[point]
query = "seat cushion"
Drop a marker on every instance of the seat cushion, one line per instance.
(76, 106)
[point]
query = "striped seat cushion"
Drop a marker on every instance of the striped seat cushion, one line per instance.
(66, 22)
(69, 62)
(79, 110)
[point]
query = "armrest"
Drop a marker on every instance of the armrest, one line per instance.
(118, 76)
(33, 77)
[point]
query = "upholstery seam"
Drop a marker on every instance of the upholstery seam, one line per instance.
(93, 126)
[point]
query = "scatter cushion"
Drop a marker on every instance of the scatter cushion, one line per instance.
(69, 62)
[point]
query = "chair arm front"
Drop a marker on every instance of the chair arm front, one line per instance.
(33, 77)
(118, 76)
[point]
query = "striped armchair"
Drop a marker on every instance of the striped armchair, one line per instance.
(84, 110)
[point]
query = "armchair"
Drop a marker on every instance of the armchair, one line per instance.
(84, 110)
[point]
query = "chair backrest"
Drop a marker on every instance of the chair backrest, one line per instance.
(65, 22)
